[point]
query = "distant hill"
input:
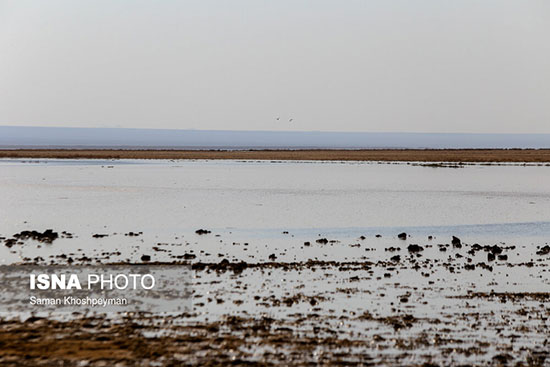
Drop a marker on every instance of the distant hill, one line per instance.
(61, 137)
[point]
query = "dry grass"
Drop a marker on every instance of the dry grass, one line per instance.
(421, 155)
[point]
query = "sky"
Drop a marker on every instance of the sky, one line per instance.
(479, 66)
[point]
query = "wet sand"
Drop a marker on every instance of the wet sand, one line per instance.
(382, 155)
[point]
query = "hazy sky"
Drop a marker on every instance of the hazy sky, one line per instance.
(339, 65)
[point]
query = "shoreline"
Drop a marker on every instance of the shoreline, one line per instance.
(386, 155)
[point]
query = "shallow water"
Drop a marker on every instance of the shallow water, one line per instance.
(176, 196)
(260, 200)
(264, 212)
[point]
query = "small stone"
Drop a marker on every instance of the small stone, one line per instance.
(415, 248)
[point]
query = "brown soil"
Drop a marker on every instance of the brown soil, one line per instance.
(233, 340)
(99, 342)
(420, 155)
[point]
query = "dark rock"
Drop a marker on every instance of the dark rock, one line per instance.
(402, 236)
(484, 266)
(47, 237)
(198, 266)
(33, 319)
(202, 231)
(415, 248)
(324, 241)
(396, 258)
(222, 266)
(145, 258)
(543, 251)
(456, 242)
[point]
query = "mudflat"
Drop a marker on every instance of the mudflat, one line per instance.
(292, 264)
(405, 155)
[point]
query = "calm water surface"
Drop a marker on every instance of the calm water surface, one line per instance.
(165, 197)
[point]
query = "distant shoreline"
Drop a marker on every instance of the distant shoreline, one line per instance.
(403, 155)
(13, 137)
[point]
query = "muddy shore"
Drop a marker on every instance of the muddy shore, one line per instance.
(323, 282)
(384, 155)
(446, 318)
(262, 341)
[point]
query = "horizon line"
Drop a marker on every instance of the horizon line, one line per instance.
(272, 131)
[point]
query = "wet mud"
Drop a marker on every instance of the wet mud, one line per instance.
(390, 301)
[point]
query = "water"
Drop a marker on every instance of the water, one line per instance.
(257, 210)
(171, 197)
(64, 137)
